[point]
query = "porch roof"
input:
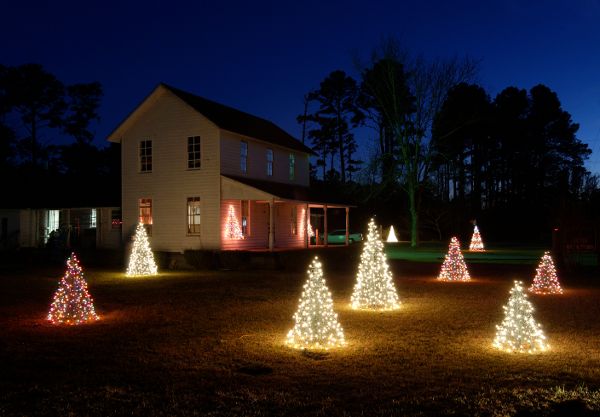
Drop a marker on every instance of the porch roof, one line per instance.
(276, 190)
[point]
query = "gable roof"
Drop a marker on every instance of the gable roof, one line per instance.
(236, 121)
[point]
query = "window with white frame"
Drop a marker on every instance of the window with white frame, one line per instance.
(292, 167)
(294, 220)
(92, 218)
(269, 162)
(193, 215)
(146, 155)
(246, 218)
(193, 149)
(145, 214)
(243, 156)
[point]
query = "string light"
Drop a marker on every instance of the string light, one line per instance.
(546, 280)
(476, 242)
(374, 287)
(454, 267)
(233, 230)
(392, 235)
(72, 303)
(317, 324)
(141, 260)
(519, 332)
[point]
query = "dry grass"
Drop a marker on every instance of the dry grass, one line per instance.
(211, 343)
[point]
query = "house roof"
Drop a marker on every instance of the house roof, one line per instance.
(286, 191)
(236, 121)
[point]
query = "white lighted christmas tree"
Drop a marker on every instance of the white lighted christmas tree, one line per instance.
(519, 332)
(476, 242)
(374, 288)
(316, 324)
(232, 226)
(141, 259)
(454, 267)
(72, 303)
(546, 280)
(391, 238)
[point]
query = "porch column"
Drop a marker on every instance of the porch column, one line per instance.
(271, 224)
(306, 223)
(325, 226)
(347, 224)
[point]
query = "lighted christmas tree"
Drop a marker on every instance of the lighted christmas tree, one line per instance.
(232, 226)
(374, 287)
(546, 281)
(519, 332)
(72, 303)
(476, 243)
(317, 324)
(141, 260)
(454, 267)
(392, 235)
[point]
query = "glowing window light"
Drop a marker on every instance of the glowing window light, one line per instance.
(141, 260)
(72, 303)
(519, 332)
(316, 324)
(476, 244)
(374, 287)
(546, 280)
(454, 267)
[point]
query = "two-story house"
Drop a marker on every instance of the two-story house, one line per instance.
(201, 175)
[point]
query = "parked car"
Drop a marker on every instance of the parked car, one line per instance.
(338, 237)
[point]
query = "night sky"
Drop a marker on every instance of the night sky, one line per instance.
(262, 57)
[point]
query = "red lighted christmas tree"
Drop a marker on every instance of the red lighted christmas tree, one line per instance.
(546, 281)
(454, 267)
(72, 302)
(476, 242)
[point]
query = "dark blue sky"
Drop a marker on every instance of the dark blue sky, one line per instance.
(261, 57)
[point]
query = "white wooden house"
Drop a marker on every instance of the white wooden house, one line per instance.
(192, 168)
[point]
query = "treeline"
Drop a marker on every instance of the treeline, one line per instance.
(444, 153)
(46, 152)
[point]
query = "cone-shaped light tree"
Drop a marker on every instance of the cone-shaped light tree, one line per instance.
(232, 226)
(72, 303)
(519, 332)
(476, 244)
(374, 288)
(454, 267)
(546, 280)
(316, 324)
(391, 238)
(141, 259)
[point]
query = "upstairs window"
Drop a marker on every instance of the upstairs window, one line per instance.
(145, 214)
(269, 162)
(292, 167)
(146, 156)
(193, 148)
(193, 215)
(243, 156)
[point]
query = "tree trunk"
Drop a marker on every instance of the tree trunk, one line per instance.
(414, 215)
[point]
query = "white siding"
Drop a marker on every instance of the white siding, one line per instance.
(259, 226)
(107, 236)
(257, 160)
(283, 226)
(168, 122)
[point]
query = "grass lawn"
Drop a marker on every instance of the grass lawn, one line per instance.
(211, 343)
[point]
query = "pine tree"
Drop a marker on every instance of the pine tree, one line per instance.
(141, 260)
(72, 303)
(232, 226)
(454, 267)
(476, 242)
(374, 287)
(546, 281)
(316, 325)
(392, 236)
(519, 332)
